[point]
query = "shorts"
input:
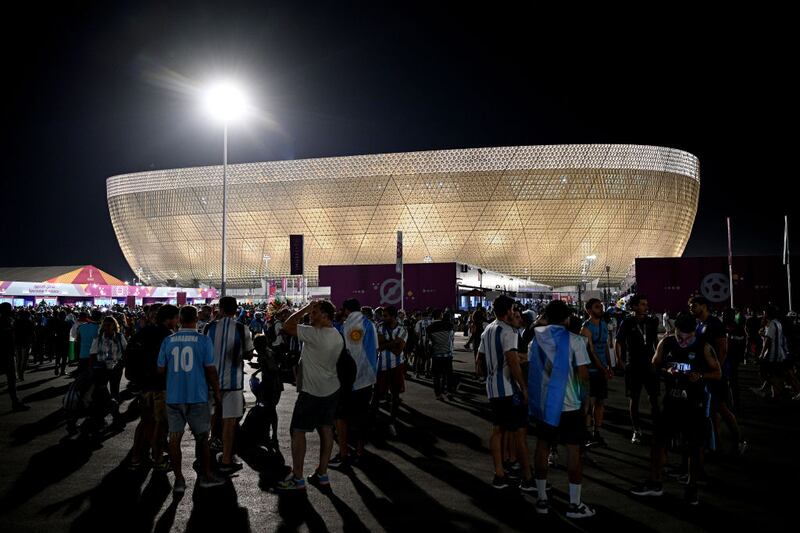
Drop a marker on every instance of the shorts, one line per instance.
(598, 385)
(392, 380)
(232, 403)
(155, 403)
(354, 406)
(508, 416)
(313, 412)
(197, 415)
(636, 378)
(571, 429)
(676, 419)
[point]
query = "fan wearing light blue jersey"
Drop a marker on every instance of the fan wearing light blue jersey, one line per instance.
(558, 379)
(595, 330)
(392, 338)
(187, 359)
(232, 345)
(507, 390)
(361, 342)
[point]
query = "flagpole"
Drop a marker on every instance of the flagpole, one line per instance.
(786, 255)
(730, 261)
(399, 268)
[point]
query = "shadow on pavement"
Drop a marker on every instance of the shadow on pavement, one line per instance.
(217, 509)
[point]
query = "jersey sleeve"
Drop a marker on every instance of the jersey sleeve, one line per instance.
(403, 334)
(306, 333)
(481, 347)
(509, 340)
(208, 354)
(94, 348)
(622, 332)
(579, 351)
(162, 355)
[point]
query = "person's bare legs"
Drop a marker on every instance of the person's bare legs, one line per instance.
(540, 458)
(228, 435)
(325, 448)
(203, 453)
(574, 470)
(175, 455)
(341, 437)
(521, 448)
(298, 453)
(496, 447)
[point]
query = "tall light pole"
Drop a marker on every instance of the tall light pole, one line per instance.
(226, 102)
(266, 276)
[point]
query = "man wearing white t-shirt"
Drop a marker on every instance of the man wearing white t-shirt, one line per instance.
(318, 387)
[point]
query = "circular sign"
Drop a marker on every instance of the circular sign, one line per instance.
(390, 291)
(715, 287)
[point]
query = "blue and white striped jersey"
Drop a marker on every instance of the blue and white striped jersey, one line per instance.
(497, 339)
(232, 341)
(387, 359)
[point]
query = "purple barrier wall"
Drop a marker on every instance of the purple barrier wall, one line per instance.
(426, 284)
(669, 282)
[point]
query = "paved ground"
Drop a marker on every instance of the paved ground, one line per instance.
(435, 473)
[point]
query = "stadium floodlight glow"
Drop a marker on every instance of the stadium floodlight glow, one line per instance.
(225, 101)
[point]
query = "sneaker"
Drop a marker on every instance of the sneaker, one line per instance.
(228, 470)
(234, 460)
(163, 465)
(215, 445)
(179, 487)
(210, 481)
(319, 480)
(598, 440)
(292, 483)
(796, 397)
(528, 486)
(691, 496)
(580, 510)
(542, 506)
(552, 459)
(637, 437)
(450, 396)
(336, 462)
(392, 430)
(683, 479)
(649, 488)
(500, 482)
(743, 447)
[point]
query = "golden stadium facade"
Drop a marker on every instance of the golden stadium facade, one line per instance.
(528, 211)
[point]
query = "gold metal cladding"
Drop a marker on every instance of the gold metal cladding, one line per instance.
(528, 211)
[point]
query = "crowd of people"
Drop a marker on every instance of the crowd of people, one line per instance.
(549, 367)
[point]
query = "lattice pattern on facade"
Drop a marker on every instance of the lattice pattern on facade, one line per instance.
(532, 211)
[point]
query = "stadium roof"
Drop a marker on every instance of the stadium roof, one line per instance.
(77, 274)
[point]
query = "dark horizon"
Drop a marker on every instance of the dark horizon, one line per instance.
(96, 96)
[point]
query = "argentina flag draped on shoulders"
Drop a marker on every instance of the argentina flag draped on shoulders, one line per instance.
(548, 373)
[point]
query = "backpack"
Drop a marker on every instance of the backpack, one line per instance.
(346, 370)
(79, 394)
(135, 361)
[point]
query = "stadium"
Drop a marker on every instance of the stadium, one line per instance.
(556, 214)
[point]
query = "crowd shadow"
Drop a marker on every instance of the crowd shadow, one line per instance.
(218, 509)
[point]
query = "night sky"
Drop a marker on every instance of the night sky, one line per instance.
(94, 89)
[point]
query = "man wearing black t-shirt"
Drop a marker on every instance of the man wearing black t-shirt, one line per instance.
(711, 330)
(686, 363)
(637, 338)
